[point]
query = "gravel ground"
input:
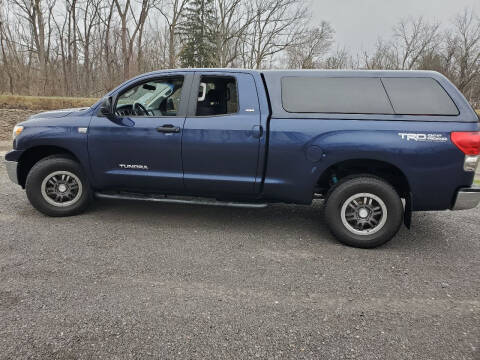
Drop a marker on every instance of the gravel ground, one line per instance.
(143, 280)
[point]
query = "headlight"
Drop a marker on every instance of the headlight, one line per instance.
(17, 130)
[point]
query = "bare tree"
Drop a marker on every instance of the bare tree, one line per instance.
(108, 49)
(128, 38)
(34, 12)
(340, 59)
(276, 25)
(86, 47)
(412, 39)
(311, 46)
(172, 12)
(383, 57)
(90, 19)
(463, 50)
(232, 22)
(10, 59)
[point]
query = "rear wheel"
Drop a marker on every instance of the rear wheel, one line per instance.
(57, 186)
(364, 211)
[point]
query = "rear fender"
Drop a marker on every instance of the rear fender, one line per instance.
(301, 150)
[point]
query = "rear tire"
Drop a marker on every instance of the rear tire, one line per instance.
(58, 186)
(363, 211)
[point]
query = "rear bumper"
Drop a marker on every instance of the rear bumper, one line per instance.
(12, 170)
(467, 198)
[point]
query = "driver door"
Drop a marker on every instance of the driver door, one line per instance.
(141, 149)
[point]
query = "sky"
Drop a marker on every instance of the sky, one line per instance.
(358, 23)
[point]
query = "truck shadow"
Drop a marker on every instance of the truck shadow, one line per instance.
(274, 218)
(276, 221)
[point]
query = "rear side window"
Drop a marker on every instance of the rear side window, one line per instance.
(334, 95)
(217, 95)
(419, 96)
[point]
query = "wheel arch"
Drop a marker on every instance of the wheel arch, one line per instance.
(382, 169)
(34, 154)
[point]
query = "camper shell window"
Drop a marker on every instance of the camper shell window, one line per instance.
(366, 95)
(419, 96)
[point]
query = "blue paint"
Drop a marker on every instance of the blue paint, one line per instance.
(266, 154)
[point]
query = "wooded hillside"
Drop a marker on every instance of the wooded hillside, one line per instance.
(87, 47)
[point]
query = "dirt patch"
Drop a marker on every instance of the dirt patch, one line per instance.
(10, 117)
(7, 299)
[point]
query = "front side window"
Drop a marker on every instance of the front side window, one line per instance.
(217, 96)
(155, 98)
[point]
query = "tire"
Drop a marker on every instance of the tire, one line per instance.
(57, 186)
(363, 211)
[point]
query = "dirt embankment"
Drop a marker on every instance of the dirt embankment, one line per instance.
(17, 108)
(43, 102)
(10, 117)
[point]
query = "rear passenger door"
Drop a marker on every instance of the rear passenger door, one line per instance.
(221, 135)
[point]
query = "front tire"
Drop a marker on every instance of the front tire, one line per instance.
(364, 211)
(58, 186)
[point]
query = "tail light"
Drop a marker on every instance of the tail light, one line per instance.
(467, 142)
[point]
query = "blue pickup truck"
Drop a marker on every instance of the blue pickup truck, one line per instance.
(375, 145)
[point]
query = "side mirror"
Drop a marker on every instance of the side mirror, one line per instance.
(106, 109)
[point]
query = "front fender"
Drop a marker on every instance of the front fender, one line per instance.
(65, 134)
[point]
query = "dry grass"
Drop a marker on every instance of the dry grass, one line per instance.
(43, 102)
(478, 112)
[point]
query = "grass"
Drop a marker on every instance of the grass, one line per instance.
(43, 102)
(478, 112)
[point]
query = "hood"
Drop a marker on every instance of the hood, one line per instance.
(56, 113)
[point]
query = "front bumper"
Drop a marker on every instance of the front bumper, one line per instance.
(12, 170)
(467, 198)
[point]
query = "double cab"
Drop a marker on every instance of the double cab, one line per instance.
(374, 145)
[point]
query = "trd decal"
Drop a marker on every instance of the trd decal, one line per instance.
(423, 137)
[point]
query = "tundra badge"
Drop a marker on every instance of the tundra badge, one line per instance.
(133, 166)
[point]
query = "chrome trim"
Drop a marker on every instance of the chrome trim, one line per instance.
(471, 162)
(467, 198)
(364, 214)
(52, 192)
(12, 170)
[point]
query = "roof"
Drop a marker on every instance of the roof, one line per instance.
(353, 73)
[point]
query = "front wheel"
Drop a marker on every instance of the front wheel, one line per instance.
(364, 211)
(57, 186)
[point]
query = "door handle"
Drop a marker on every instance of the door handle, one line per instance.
(168, 128)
